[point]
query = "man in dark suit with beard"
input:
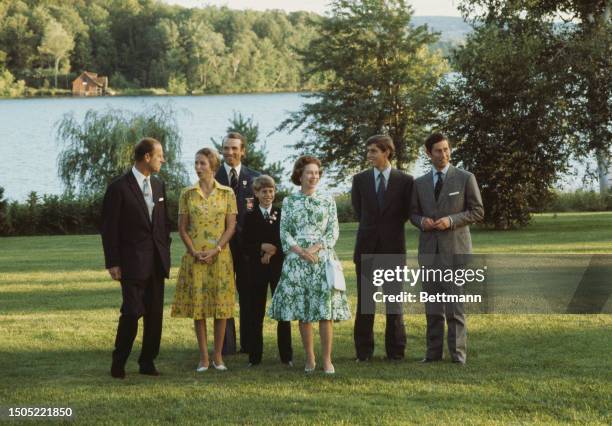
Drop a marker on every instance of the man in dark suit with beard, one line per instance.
(381, 201)
(240, 178)
(136, 239)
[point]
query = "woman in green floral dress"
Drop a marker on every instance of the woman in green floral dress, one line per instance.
(309, 230)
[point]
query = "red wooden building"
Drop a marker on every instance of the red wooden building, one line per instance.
(90, 84)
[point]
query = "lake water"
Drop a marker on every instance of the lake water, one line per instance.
(29, 149)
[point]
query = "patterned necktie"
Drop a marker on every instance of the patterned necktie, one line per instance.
(266, 215)
(438, 187)
(234, 180)
(148, 196)
(380, 192)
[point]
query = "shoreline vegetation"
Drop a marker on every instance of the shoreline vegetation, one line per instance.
(37, 93)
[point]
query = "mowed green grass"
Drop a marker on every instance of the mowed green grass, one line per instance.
(59, 312)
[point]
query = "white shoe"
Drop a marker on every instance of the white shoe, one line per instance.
(201, 368)
(332, 370)
(220, 367)
(310, 370)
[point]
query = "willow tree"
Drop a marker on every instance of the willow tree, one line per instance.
(100, 148)
(381, 75)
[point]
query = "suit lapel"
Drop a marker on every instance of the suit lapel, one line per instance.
(390, 187)
(429, 189)
(133, 184)
(370, 188)
(221, 176)
(445, 185)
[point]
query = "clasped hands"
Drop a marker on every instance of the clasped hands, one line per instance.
(309, 254)
(206, 256)
(268, 251)
(441, 224)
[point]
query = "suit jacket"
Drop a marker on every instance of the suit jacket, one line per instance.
(381, 230)
(245, 190)
(130, 239)
(257, 231)
(460, 200)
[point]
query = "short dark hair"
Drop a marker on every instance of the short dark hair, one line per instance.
(144, 146)
(382, 142)
(300, 165)
(213, 157)
(236, 135)
(263, 181)
(433, 139)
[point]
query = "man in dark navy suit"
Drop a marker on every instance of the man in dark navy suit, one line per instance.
(381, 201)
(136, 239)
(240, 178)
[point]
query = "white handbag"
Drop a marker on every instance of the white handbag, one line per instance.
(335, 276)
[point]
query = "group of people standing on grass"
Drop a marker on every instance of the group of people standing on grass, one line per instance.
(236, 240)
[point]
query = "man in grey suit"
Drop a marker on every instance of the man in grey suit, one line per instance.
(444, 203)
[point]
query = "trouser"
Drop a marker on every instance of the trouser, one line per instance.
(453, 312)
(242, 287)
(363, 333)
(140, 299)
(257, 301)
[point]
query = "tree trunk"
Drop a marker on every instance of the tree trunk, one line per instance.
(56, 69)
(603, 169)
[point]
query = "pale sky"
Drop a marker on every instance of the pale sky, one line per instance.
(421, 7)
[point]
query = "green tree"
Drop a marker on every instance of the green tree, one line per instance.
(4, 225)
(256, 151)
(381, 80)
(100, 148)
(57, 43)
(509, 117)
(584, 59)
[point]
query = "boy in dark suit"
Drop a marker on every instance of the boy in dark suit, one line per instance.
(262, 246)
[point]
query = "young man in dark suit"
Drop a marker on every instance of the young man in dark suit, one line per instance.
(136, 239)
(262, 246)
(240, 178)
(445, 201)
(381, 201)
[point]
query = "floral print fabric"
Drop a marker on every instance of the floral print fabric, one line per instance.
(303, 292)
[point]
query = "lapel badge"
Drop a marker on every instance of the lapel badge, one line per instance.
(244, 183)
(249, 203)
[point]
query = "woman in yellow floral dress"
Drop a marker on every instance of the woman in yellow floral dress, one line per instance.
(205, 285)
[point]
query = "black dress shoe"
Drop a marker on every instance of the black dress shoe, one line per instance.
(117, 371)
(459, 362)
(366, 359)
(395, 358)
(428, 360)
(149, 370)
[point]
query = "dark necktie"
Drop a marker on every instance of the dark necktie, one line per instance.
(266, 215)
(234, 180)
(380, 192)
(438, 187)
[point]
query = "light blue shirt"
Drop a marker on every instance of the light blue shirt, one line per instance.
(386, 173)
(434, 171)
(140, 178)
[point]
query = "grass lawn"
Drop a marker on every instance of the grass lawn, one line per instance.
(59, 312)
